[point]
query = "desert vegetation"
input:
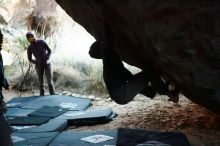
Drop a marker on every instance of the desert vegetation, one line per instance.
(84, 77)
(70, 72)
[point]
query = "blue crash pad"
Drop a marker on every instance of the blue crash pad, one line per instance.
(20, 101)
(17, 112)
(73, 138)
(48, 111)
(27, 121)
(54, 125)
(69, 102)
(89, 117)
(33, 139)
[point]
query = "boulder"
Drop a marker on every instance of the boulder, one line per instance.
(180, 38)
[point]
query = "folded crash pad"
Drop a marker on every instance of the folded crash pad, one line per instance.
(33, 139)
(90, 117)
(48, 111)
(133, 137)
(86, 138)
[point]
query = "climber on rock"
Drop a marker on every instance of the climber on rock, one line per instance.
(122, 85)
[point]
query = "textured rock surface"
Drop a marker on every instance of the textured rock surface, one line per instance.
(31, 14)
(15, 13)
(181, 38)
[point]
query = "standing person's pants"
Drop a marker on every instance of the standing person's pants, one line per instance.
(5, 131)
(40, 69)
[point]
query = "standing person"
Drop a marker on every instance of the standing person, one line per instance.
(5, 139)
(40, 50)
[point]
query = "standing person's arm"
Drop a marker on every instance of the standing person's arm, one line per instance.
(48, 50)
(29, 54)
(1, 72)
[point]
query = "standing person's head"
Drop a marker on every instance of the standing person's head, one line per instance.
(30, 37)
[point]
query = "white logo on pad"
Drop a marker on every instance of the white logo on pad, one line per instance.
(97, 138)
(16, 139)
(75, 114)
(68, 105)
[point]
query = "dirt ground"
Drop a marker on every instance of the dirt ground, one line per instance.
(201, 126)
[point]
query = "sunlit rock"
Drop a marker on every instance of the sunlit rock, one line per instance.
(68, 93)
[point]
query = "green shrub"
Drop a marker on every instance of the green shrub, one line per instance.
(95, 83)
(81, 77)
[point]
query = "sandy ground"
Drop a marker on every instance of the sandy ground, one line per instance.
(201, 126)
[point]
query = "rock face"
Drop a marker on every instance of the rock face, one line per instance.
(181, 38)
(31, 14)
(14, 13)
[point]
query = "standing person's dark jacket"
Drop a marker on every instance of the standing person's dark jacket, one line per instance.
(40, 50)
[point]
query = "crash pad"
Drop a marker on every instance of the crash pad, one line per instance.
(85, 138)
(88, 117)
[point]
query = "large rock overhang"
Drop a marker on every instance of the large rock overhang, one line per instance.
(181, 38)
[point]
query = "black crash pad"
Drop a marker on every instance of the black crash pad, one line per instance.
(133, 137)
